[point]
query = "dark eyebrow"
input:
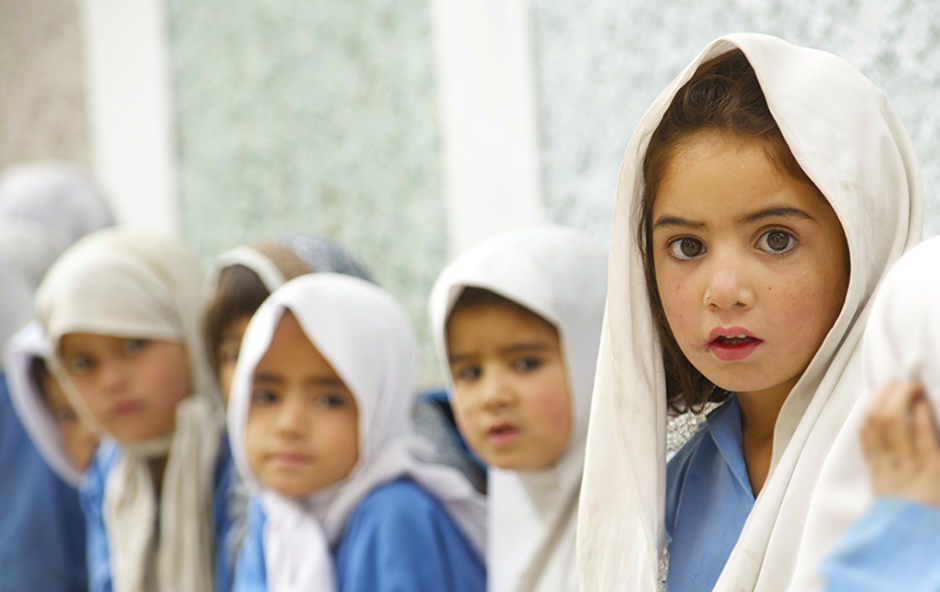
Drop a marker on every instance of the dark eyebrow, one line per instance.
(270, 378)
(775, 213)
(676, 221)
(324, 381)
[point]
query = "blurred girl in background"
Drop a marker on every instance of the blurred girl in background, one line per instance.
(121, 311)
(517, 324)
(319, 422)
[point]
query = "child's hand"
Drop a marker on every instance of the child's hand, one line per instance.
(900, 444)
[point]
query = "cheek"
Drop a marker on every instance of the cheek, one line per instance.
(464, 409)
(551, 408)
(255, 429)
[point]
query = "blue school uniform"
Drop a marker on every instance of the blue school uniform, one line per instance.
(708, 499)
(894, 546)
(42, 529)
(398, 538)
(92, 498)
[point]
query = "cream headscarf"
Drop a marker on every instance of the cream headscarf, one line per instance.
(560, 275)
(367, 338)
(142, 285)
(901, 342)
(27, 345)
(849, 140)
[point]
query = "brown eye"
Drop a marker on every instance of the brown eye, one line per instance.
(686, 248)
(776, 241)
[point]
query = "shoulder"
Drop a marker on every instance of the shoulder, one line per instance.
(401, 538)
(398, 504)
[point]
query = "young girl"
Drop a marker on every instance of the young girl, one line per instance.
(894, 541)
(517, 322)
(243, 277)
(120, 309)
(744, 255)
(66, 444)
(44, 450)
(318, 419)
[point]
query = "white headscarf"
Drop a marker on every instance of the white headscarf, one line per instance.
(901, 342)
(44, 208)
(27, 345)
(560, 275)
(367, 338)
(142, 285)
(57, 196)
(851, 143)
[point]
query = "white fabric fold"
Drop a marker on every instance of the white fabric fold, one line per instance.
(560, 275)
(901, 343)
(141, 285)
(366, 337)
(27, 345)
(851, 143)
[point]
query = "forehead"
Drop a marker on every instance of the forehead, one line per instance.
(88, 341)
(717, 176)
(497, 321)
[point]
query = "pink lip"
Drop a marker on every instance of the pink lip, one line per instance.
(730, 352)
(502, 434)
(290, 459)
(125, 407)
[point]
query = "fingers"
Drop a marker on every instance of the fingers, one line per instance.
(925, 442)
(885, 428)
(901, 446)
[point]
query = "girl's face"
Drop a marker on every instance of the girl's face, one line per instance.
(511, 397)
(130, 386)
(77, 440)
(303, 423)
(227, 354)
(751, 264)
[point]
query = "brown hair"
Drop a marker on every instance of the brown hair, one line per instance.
(38, 371)
(238, 292)
(477, 298)
(723, 95)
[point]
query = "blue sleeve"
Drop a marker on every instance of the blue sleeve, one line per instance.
(92, 498)
(895, 546)
(400, 539)
(222, 518)
(250, 574)
(42, 529)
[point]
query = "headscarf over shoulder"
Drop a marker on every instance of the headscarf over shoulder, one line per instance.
(560, 275)
(851, 143)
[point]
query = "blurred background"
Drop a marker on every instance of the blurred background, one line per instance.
(408, 130)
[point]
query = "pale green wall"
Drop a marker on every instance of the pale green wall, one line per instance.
(314, 117)
(600, 64)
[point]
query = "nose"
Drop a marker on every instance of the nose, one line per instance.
(728, 285)
(291, 421)
(496, 392)
(114, 376)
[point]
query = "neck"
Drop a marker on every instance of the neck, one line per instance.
(759, 411)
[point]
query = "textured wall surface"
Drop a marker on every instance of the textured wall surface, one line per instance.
(314, 117)
(42, 96)
(600, 64)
